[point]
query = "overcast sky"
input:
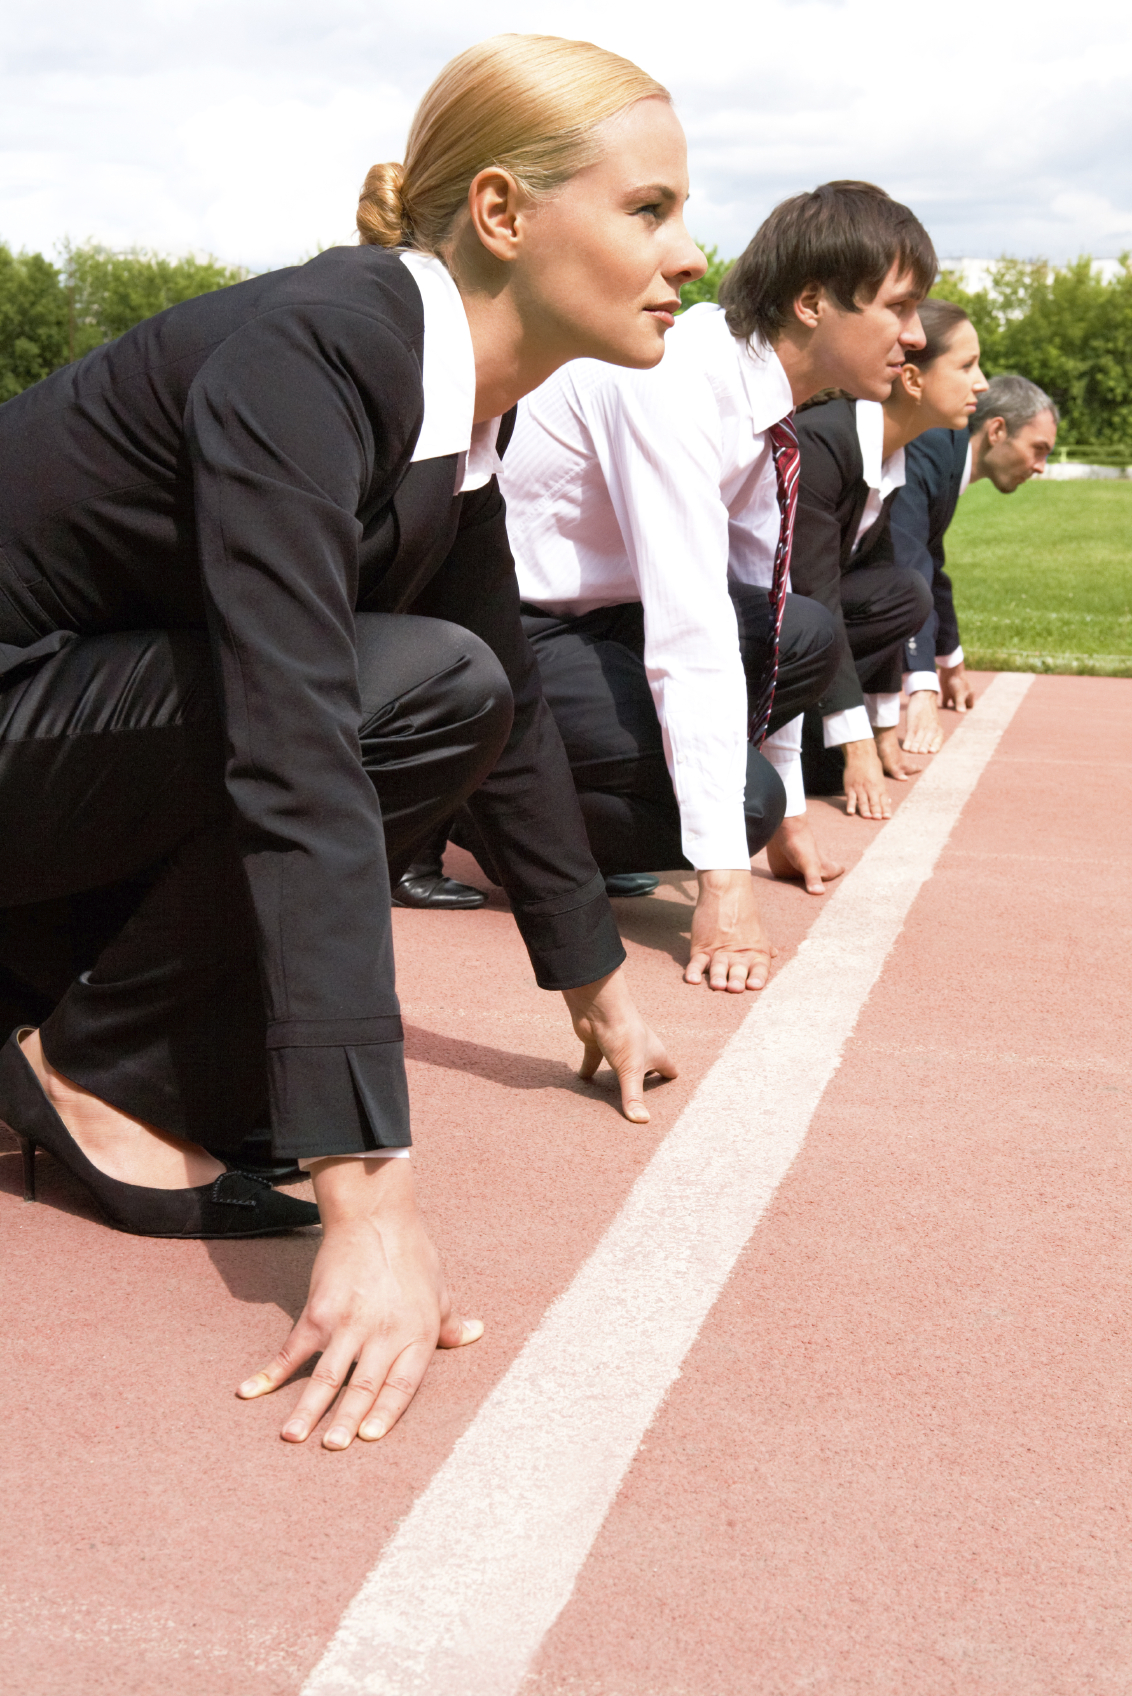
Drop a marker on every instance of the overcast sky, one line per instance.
(243, 128)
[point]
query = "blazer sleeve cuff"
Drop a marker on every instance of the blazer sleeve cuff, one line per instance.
(572, 939)
(338, 1098)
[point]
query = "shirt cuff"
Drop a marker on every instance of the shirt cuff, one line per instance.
(883, 710)
(784, 751)
(917, 680)
(950, 659)
(850, 725)
(370, 1154)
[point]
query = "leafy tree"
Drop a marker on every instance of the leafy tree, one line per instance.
(33, 320)
(1067, 330)
(707, 286)
(111, 292)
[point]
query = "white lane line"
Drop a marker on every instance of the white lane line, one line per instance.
(481, 1567)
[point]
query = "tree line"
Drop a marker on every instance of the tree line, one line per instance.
(1061, 326)
(53, 314)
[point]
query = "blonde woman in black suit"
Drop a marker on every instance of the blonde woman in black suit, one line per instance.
(259, 634)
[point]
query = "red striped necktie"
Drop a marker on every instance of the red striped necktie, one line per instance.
(787, 463)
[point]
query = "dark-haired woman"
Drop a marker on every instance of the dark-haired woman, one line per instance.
(260, 634)
(944, 383)
(853, 455)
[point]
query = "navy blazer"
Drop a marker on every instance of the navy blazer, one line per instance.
(242, 463)
(933, 472)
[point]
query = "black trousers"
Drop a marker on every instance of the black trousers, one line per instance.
(126, 929)
(593, 677)
(883, 606)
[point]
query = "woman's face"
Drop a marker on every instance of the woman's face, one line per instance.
(951, 385)
(603, 259)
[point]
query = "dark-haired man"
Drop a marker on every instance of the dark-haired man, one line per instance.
(1011, 435)
(651, 513)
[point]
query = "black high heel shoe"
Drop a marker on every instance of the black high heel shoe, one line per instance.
(233, 1205)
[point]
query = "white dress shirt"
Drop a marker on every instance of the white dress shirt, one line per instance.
(448, 378)
(914, 680)
(657, 486)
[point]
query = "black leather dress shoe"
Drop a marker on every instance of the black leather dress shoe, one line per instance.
(627, 884)
(433, 889)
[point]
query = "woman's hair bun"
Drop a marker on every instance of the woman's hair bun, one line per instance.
(381, 211)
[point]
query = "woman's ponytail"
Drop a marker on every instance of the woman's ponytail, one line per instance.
(381, 211)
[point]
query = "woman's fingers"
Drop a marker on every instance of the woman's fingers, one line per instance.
(322, 1387)
(592, 1057)
(400, 1385)
(300, 1345)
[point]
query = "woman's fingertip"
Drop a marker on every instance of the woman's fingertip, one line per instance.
(256, 1386)
(472, 1331)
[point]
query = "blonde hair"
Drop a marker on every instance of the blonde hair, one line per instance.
(528, 104)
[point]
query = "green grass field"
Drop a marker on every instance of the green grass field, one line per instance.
(1043, 577)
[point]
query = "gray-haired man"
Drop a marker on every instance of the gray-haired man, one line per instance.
(1010, 437)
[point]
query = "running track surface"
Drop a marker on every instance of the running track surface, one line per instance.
(894, 1459)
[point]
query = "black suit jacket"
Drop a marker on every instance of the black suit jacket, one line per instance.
(242, 462)
(831, 498)
(923, 509)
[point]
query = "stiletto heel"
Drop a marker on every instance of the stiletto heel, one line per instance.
(27, 1149)
(234, 1205)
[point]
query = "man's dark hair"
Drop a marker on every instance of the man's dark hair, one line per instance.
(1015, 400)
(844, 236)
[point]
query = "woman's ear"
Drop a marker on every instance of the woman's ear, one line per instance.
(913, 380)
(495, 207)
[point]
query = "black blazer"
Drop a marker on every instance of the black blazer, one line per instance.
(831, 498)
(242, 462)
(923, 509)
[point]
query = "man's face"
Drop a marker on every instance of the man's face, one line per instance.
(1010, 461)
(862, 352)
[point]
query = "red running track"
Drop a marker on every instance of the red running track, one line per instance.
(895, 1460)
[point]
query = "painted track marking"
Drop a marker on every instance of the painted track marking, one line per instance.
(479, 1570)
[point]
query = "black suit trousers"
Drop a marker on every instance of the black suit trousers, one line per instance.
(126, 928)
(593, 677)
(883, 605)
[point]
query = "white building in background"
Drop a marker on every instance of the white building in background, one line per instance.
(974, 274)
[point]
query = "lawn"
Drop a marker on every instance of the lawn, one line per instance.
(1043, 577)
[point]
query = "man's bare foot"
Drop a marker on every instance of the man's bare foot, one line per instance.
(923, 733)
(121, 1147)
(792, 853)
(892, 756)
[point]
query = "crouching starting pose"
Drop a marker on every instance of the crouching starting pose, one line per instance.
(260, 634)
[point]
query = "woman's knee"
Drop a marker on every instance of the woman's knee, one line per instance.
(442, 679)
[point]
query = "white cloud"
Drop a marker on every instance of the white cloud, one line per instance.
(245, 127)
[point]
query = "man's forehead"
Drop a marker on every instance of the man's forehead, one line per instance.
(900, 286)
(1042, 427)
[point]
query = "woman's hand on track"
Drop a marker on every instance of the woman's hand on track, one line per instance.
(377, 1303)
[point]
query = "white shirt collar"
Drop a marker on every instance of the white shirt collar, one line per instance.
(884, 475)
(448, 377)
(965, 480)
(765, 381)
